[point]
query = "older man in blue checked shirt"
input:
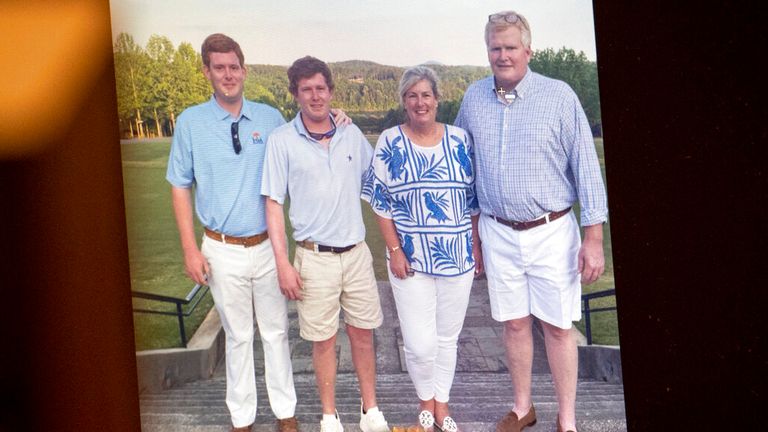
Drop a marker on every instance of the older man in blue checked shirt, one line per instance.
(535, 158)
(218, 147)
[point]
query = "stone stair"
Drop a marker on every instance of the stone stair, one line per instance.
(481, 393)
(478, 401)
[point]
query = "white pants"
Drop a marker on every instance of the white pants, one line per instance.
(431, 311)
(533, 272)
(244, 280)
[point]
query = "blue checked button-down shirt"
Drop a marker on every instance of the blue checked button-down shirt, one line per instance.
(534, 155)
(227, 185)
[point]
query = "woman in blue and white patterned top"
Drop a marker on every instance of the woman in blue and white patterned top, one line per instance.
(421, 187)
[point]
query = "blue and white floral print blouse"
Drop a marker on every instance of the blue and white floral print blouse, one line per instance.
(429, 194)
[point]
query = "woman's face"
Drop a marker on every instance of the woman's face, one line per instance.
(420, 103)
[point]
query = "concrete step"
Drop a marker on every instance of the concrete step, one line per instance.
(478, 400)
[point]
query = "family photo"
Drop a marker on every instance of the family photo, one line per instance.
(347, 215)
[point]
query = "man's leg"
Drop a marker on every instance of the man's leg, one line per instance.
(364, 359)
(231, 291)
(563, 357)
(324, 361)
(518, 340)
(272, 318)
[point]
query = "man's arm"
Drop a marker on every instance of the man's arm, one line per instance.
(288, 277)
(195, 263)
(477, 250)
(591, 257)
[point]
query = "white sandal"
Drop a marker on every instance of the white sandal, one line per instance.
(426, 421)
(449, 425)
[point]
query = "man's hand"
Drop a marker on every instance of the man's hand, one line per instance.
(290, 282)
(591, 257)
(196, 266)
(340, 117)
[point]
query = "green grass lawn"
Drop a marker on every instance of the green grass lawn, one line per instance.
(157, 265)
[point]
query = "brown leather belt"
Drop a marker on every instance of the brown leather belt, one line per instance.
(306, 244)
(242, 241)
(522, 226)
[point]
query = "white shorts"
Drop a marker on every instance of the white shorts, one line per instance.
(533, 272)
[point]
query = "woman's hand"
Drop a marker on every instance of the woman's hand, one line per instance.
(398, 264)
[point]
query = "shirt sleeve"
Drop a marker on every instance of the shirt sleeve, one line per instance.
(180, 171)
(375, 189)
(584, 164)
(274, 180)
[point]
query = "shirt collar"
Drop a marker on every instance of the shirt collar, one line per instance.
(299, 126)
(520, 90)
(222, 114)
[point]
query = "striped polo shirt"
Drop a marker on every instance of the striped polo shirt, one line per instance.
(227, 185)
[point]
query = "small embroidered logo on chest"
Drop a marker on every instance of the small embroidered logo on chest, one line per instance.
(349, 158)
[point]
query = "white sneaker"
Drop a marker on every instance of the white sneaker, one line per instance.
(333, 425)
(373, 420)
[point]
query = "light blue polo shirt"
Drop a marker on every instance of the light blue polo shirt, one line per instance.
(324, 185)
(227, 185)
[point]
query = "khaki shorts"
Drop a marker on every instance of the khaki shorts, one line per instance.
(332, 282)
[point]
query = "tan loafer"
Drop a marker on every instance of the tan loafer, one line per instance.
(289, 424)
(510, 422)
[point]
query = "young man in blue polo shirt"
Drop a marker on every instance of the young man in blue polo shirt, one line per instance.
(218, 147)
(320, 165)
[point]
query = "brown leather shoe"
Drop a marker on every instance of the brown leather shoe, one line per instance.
(510, 422)
(242, 428)
(289, 424)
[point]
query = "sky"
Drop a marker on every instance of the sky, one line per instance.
(389, 32)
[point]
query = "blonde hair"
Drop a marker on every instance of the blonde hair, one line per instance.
(500, 21)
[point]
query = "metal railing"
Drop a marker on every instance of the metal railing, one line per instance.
(179, 302)
(585, 298)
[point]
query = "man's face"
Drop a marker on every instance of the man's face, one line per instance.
(226, 76)
(508, 57)
(314, 98)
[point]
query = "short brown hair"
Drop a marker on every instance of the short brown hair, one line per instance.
(307, 67)
(220, 43)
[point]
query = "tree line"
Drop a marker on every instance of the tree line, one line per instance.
(156, 82)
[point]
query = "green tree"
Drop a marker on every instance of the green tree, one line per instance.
(132, 83)
(189, 84)
(162, 90)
